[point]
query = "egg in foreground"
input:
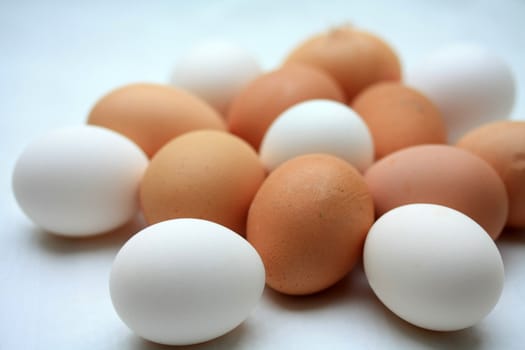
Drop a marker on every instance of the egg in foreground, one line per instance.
(185, 281)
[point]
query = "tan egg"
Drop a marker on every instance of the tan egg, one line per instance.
(265, 98)
(502, 145)
(440, 174)
(202, 174)
(399, 117)
(355, 58)
(152, 114)
(308, 222)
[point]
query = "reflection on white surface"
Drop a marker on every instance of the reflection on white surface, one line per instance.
(58, 57)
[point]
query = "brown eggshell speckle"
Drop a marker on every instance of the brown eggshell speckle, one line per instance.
(440, 174)
(264, 99)
(308, 222)
(355, 58)
(502, 145)
(203, 174)
(399, 117)
(152, 114)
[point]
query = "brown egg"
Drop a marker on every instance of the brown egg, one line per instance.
(440, 174)
(355, 58)
(309, 221)
(151, 114)
(260, 103)
(399, 117)
(202, 174)
(502, 145)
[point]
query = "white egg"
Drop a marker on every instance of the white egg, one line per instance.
(433, 266)
(318, 126)
(79, 181)
(185, 281)
(468, 83)
(215, 71)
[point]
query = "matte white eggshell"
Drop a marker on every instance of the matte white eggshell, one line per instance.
(470, 84)
(318, 126)
(79, 181)
(433, 266)
(185, 281)
(215, 71)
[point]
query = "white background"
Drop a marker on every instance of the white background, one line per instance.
(58, 57)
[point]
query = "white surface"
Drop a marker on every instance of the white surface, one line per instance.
(318, 126)
(57, 58)
(433, 266)
(186, 281)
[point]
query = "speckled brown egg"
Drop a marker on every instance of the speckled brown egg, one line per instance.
(308, 222)
(152, 114)
(502, 145)
(202, 174)
(440, 174)
(399, 117)
(260, 103)
(353, 57)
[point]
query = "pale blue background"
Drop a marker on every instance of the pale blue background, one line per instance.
(58, 57)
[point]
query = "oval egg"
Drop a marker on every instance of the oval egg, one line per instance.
(308, 222)
(440, 174)
(152, 114)
(203, 174)
(502, 145)
(354, 58)
(399, 117)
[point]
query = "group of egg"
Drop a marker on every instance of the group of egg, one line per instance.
(289, 177)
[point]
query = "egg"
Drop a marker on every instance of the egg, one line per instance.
(153, 114)
(257, 105)
(79, 181)
(502, 145)
(399, 117)
(470, 84)
(308, 222)
(353, 57)
(185, 281)
(440, 174)
(205, 174)
(215, 71)
(433, 266)
(318, 126)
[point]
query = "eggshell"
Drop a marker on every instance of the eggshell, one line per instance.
(440, 174)
(399, 117)
(215, 71)
(355, 58)
(470, 84)
(258, 104)
(203, 174)
(308, 222)
(185, 281)
(433, 266)
(79, 181)
(502, 145)
(318, 126)
(151, 114)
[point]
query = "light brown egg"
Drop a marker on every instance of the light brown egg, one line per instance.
(399, 117)
(355, 58)
(260, 103)
(440, 174)
(152, 114)
(308, 222)
(502, 145)
(202, 174)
